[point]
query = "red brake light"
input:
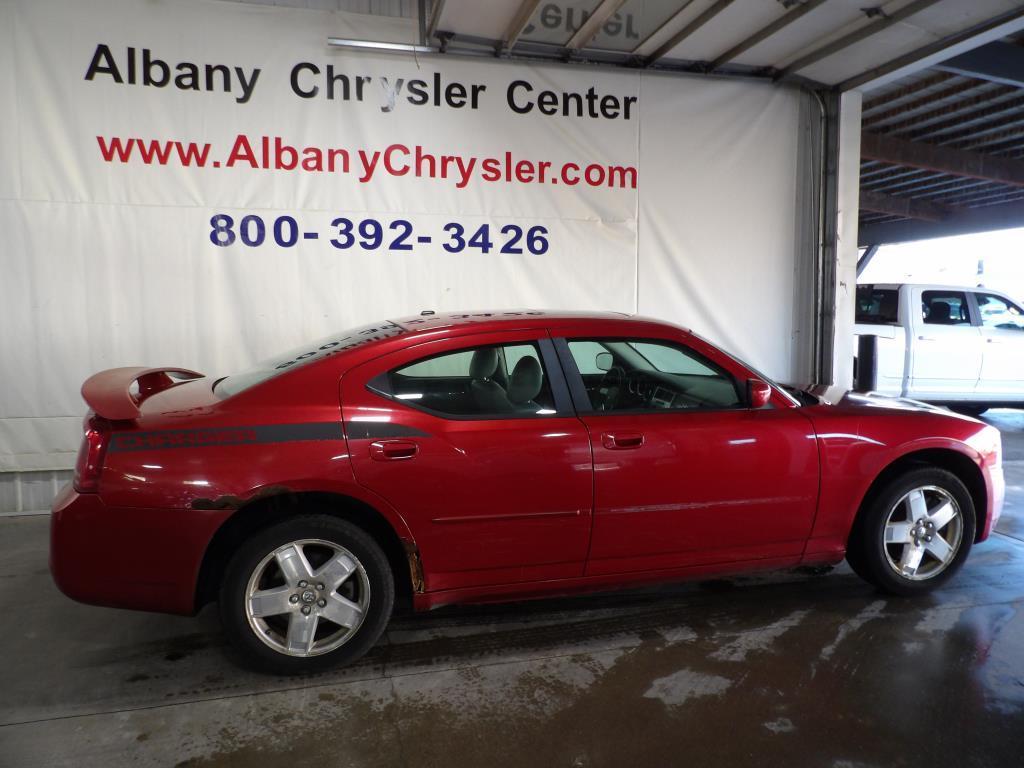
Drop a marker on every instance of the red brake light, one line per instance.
(91, 455)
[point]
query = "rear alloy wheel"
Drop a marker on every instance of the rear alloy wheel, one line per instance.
(306, 594)
(916, 533)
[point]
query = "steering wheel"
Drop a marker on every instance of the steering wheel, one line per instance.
(610, 388)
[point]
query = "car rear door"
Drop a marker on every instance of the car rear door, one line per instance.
(1002, 328)
(946, 344)
(684, 472)
(495, 486)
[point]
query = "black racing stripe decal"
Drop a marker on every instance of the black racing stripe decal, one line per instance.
(214, 437)
(374, 430)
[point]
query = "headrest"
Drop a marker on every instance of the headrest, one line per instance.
(483, 363)
(526, 381)
(940, 312)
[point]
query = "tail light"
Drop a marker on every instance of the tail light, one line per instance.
(91, 454)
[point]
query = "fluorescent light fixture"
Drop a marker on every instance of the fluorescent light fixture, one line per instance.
(374, 45)
(410, 396)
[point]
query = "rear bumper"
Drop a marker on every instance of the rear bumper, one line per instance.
(124, 557)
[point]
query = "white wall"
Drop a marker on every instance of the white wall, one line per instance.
(107, 264)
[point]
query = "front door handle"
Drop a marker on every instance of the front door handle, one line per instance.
(926, 338)
(619, 441)
(993, 341)
(393, 450)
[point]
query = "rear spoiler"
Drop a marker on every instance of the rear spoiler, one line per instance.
(109, 393)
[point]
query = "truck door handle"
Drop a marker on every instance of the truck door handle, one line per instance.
(619, 441)
(926, 338)
(393, 450)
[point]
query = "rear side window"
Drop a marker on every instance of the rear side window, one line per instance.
(307, 353)
(945, 308)
(997, 312)
(498, 381)
(877, 306)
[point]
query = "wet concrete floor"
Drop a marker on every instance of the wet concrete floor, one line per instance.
(785, 669)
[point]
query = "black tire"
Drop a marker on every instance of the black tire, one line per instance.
(855, 559)
(969, 410)
(875, 561)
(371, 580)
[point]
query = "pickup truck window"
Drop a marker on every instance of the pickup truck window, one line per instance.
(997, 312)
(877, 306)
(945, 308)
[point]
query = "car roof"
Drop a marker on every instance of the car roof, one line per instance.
(935, 287)
(487, 319)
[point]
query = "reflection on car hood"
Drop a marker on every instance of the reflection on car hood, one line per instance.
(821, 395)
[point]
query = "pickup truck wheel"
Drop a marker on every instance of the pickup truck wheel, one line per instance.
(306, 594)
(916, 532)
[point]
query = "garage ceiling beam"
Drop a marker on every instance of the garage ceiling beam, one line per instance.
(589, 29)
(890, 97)
(519, 22)
(435, 16)
(998, 62)
(902, 206)
(982, 120)
(930, 157)
(699, 21)
(1004, 24)
(763, 34)
(959, 113)
(865, 258)
(854, 37)
(908, 108)
(964, 221)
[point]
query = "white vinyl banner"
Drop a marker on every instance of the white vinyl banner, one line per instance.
(204, 183)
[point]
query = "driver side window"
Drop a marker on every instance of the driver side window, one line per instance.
(648, 374)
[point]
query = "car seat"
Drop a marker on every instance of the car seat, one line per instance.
(487, 393)
(525, 384)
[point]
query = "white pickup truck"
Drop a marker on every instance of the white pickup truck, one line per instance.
(961, 347)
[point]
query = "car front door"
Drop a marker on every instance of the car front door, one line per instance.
(685, 473)
(1002, 328)
(946, 345)
(474, 442)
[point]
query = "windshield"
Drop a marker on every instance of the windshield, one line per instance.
(770, 382)
(307, 353)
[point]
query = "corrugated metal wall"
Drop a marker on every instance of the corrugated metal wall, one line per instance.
(26, 492)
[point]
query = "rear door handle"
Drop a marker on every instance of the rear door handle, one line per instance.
(393, 450)
(619, 441)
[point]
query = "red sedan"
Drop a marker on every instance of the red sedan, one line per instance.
(450, 458)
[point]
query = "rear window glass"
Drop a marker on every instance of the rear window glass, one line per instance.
(877, 306)
(307, 353)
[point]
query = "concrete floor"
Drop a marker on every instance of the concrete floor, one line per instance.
(788, 669)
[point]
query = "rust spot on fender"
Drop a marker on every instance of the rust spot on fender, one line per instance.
(412, 552)
(234, 502)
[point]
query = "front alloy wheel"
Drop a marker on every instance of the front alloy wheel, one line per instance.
(923, 533)
(305, 594)
(914, 533)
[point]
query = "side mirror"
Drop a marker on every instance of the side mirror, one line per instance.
(604, 361)
(758, 393)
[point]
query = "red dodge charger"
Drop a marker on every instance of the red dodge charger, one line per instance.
(450, 458)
